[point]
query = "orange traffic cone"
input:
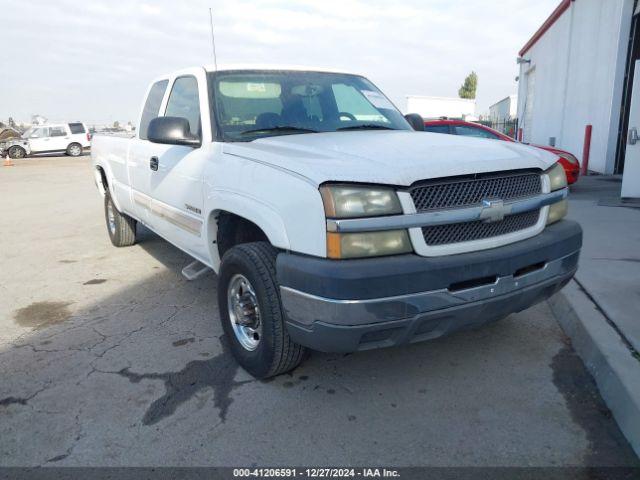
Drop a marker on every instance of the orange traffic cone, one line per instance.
(7, 162)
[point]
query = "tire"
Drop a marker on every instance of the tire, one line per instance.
(16, 151)
(121, 227)
(275, 352)
(74, 150)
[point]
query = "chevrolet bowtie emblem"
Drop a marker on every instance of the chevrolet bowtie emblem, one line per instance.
(494, 211)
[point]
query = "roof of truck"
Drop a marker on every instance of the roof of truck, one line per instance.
(253, 66)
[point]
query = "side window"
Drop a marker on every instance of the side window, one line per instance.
(76, 128)
(473, 132)
(437, 128)
(184, 102)
(40, 132)
(58, 132)
(152, 106)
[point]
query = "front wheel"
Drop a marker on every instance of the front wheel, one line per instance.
(251, 311)
(17, 152)
(121, 227)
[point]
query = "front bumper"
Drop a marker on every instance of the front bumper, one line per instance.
(349, 305)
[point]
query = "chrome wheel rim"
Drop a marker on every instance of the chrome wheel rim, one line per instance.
(244, 312)
(17, 153)
(111, 218)
(75, 150)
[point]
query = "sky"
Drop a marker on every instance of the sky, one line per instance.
(92, 60)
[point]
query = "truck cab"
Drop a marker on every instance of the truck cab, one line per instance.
(332, 221)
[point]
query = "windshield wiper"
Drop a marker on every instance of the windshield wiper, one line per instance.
(367, 126)
(283, 128)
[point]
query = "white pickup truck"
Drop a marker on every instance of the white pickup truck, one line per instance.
(333, 223)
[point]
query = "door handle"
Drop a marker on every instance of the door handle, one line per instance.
(633, 136)
(153, 164)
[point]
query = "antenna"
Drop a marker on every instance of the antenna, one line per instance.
(213, 40)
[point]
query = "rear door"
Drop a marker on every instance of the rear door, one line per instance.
(59, 137)
(141, 151)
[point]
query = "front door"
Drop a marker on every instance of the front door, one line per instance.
(631, 175)
(176, 184)
(39, 140)
(166, 180)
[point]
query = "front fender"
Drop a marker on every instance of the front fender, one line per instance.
(252, 209)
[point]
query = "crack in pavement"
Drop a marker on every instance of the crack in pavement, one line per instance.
(216, 373)
(11, 400)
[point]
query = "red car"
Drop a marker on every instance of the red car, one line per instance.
(469, 129)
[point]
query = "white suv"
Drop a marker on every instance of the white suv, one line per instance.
(70, 138)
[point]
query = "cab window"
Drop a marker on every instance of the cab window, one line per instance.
(58, 132)
(152, 106)
(184, 102)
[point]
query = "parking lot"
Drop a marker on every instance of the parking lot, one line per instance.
(110, 357)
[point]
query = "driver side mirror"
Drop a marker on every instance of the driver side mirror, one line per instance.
(416, 121)
(172, 131)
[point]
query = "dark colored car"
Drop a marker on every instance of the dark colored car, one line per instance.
(459, 127)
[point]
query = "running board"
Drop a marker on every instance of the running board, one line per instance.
(195, 270)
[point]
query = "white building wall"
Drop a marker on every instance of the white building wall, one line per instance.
(579, 65)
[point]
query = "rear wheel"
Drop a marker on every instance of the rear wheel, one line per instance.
(16, 152)
(121, 227)
(251, 311)
(74, 150)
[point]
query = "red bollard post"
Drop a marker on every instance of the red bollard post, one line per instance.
(586, 149)
(519, 134)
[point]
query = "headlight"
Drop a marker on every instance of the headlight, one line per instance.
(557, 181)
(369, 244)
(557, 177)
(344, 201)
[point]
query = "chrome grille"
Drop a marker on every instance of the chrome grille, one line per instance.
(466, 192)
(468, 231)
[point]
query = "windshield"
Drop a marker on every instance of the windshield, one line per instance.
(256, 104)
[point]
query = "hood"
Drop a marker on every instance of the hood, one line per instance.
(398, 157)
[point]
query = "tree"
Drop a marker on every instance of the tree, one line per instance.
(468, 88)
